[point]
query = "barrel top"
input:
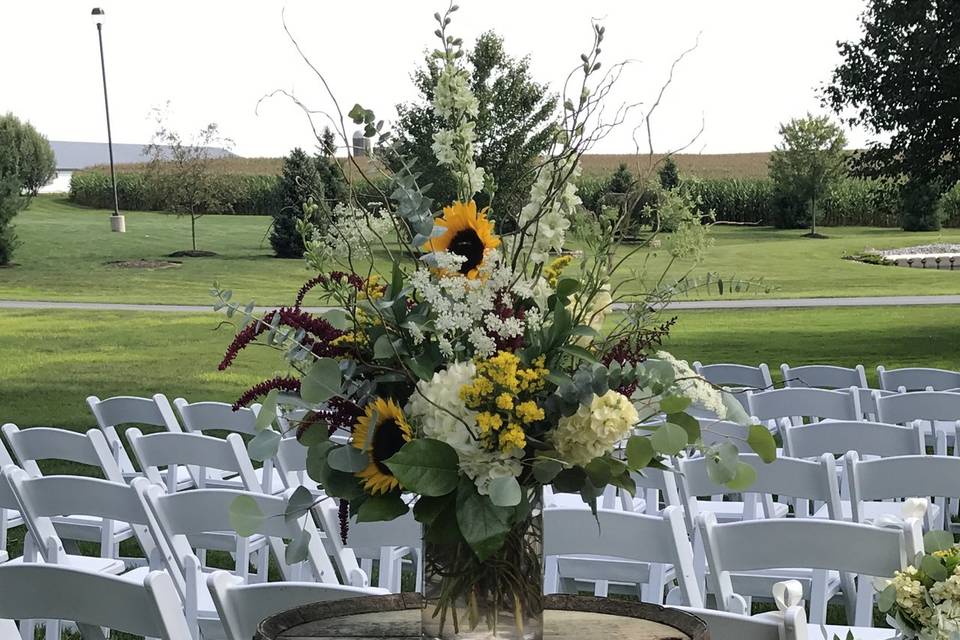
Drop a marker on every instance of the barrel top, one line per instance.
(397, 617)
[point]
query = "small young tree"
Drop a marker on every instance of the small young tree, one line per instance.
(808, 161)
(38, 165)
(179, 171)
(299, 182)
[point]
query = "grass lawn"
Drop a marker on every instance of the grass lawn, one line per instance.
(65, 249)
(50, 361)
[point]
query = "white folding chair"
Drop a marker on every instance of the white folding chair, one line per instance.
(868, 402)
(242, 606)
(120, 411)
(181, 517)
(149, 608)
(917, 379)
(900, 477)
(735, 375)
(838, 437)
(798, 405)
(91, 449)
(805, 481)
(822, 376)
(201, 417)
(389, 543)
(208, 457)
(622, 547)
(788, 624)
(9, 514)
(821, 545)
(938, 411)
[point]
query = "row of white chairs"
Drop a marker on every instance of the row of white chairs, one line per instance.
(829, 377)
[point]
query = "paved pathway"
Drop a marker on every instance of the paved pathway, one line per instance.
(761, 303)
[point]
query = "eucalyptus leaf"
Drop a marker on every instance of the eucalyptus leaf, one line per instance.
(246, 516)
(338, 319)
(722, 462)
(322, 382)
(544, 471)
(887, 598)
(383, 347)
(669, 439)
(674, 404)
(264, 445)
(268, 411)
(301, 501)
(934, 568)
(505, 491)
(744, 478)
(348, 459)
(297, 549)
(761, 441)
(639, 452)
(937, 541)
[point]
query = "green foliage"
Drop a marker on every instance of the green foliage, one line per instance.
(807, 162)
(299, 182)
(621, 181)
(240, 194)
(26, 164)
(513, 123)
(948, 207)
(734, 199)
(895, 82)
(919, 203)
(668, 174)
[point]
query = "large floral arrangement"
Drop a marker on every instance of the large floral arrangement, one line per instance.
(923, 601)
(466, 364)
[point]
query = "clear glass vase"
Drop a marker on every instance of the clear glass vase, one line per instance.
(498, 598)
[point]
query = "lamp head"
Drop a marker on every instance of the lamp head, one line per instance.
(98, 15)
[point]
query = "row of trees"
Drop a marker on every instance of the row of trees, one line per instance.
(26, 164)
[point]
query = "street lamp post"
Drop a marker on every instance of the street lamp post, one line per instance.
(117, 222)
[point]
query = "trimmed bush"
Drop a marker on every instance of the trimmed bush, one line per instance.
(919, 205)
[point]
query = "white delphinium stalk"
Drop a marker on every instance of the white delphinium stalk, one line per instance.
(454, 146)
(544, 220)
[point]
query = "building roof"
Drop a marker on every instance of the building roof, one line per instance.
(79, 155)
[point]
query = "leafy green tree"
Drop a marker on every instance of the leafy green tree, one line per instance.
(26, 164)
(622, 180)
(299, 181)
(900, 81)
(513, 126)
(180, 175)
(808, 161)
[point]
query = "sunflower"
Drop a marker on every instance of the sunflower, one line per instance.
(468, 234)
(390, 433)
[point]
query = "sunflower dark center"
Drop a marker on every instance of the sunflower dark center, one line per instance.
(468, 245)
(387, 440)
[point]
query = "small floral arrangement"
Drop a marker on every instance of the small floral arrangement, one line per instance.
(473, 367)
(923, 601)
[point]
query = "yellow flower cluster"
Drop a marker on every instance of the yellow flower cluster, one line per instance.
(500, 393)
(372, 289)
(350, 338)
(553, 270)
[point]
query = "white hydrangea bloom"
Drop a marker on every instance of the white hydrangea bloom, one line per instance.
(437, 409)
(701, 393)
(594, 430)
(552, 219)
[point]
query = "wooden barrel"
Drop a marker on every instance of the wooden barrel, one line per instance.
(397, 617)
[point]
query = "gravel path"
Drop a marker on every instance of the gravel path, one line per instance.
(762, 303)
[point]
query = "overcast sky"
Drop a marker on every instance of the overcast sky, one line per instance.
(759, 62)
